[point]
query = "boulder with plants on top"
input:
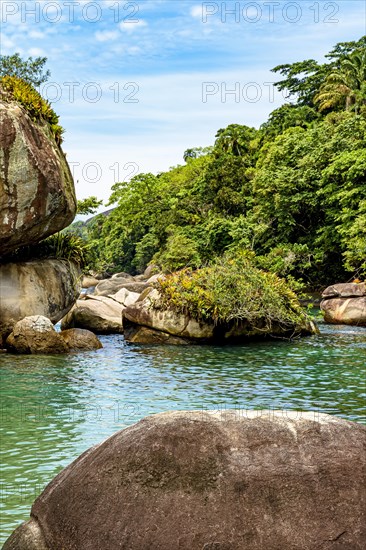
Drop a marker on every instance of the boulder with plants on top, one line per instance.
(37, 195)
(229, 301)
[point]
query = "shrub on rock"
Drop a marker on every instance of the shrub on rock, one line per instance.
(230, 300)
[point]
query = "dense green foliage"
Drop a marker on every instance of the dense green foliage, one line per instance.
(13, 88)
(88, 206)
(232, 289)
(30, 70)
(59, 246)
(292, 194)
(305, 79)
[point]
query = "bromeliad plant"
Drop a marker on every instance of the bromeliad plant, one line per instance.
(232, 289)
(16, 89)
(61, 246)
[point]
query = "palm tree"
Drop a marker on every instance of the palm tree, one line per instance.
(234, 139)
(345, 86)
(189, 154)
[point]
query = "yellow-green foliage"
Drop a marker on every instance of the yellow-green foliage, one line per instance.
(38, 108)
(232, 290)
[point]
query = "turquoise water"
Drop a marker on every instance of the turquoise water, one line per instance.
(55, 407)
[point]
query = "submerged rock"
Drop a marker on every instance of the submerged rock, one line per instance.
(37, 196)
(237, 480)
(145, 335)
(345, 304)
(41, 287)
(36, 334)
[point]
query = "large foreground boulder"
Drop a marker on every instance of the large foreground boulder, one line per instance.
(37, 196)
(99, 314)
(148, 322)
(345, 304)
(36, 334)
(42, 287)
(239, 480)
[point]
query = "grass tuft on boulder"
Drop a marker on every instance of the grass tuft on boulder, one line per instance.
(16, 89)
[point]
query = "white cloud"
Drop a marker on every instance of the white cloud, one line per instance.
(36, 34)
(145, 133)
(106, 36)
(185, 33)
(6, 42)
(131, 26)
(134, 50)
(36, 52)
(196, 11)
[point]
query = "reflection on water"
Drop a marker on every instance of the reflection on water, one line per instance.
(53, 408)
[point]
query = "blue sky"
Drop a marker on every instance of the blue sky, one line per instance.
(137, 83)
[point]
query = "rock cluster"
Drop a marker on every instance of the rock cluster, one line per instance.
(112, 286)
(197, 480)
(345, 304)
(132, 306)
(101, 310)
(37, 335)
(37, 199)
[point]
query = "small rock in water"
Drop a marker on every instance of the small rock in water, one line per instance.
(345, 304)
(79, 339)
(36, 334)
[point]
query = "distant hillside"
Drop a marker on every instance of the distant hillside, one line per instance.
(106, 213)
